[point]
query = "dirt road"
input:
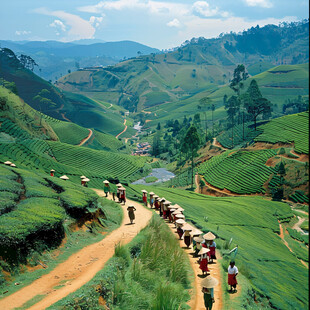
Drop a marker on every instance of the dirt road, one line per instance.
(79, 268)
(123, 130)
(197, 302)
(87, 138)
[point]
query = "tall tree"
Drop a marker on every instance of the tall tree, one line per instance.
(237, 83)
(232, 107)
(254, 102)
(204, 103)
(190, 146)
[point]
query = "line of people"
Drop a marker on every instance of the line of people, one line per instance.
(203, 245)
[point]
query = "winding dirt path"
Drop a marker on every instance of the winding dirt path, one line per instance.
(80, 267)
(123, 130)
(298, 224)
(87, 138)
(197, 302)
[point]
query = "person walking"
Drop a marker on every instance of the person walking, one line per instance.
(208, 285)
(204, 260)
(144, 197)
(232, 276)
(106, 187)
(212, 247)
(118, 192)
(122, 195)
(151, 199)
(131, 213)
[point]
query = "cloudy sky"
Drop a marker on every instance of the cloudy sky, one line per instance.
(162, 24)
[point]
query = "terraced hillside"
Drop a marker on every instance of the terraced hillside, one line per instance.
(287, 129)
(262, 258)
(25, 139)
(48, 99)
(240, 171)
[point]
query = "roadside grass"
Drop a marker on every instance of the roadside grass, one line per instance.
(252, 224)
(151, 272)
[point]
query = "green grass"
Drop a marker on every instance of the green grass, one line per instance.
(150, 179)
(252, 224)
(69, 132)
(287, 129)
(151, 272)
(240, 171)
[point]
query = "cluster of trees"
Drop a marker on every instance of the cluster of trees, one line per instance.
(27, 62)
(251, 101)
(296, 105)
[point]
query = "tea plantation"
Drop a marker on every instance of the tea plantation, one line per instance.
(242, 171)
(252, 223)
(287, 129)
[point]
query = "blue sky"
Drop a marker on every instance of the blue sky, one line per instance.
(163, 24)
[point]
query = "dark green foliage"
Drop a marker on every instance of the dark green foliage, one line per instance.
(298, 236)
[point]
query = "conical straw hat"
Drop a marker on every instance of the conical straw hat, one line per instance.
(187, 227)
(86, 180)
(180, 221)
(209, 236)
(176, 206)
(209, 282)
(13, 165)
(144, 191)
(198, 239)
(171, 210)
(156, 197)
(81, 177)
(181, 209)
(176, 212)
(52, 170)
(7, 163)
(106, 182)
(203, 251)
(180, 216)
(167, 203)
(196, 232)
(64, 177)
(151, 193)
(119, 185)
(122, 188)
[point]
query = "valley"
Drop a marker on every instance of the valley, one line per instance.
(216, 127)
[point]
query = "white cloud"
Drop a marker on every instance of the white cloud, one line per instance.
(154, 7)
(79, 27)
(262, 3)
(174, 23)
(96, 21)
(58, 24)
(202, 8)
(22, 32)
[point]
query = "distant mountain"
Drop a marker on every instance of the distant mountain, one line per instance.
(198, 68)
(56, 59)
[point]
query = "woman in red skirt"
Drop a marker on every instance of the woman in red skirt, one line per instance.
(144, 197)
(232, 276)
(204, 260)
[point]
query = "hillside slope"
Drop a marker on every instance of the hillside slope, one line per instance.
(200, 66)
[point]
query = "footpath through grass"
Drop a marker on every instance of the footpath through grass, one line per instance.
(272, 271)
(151, 272)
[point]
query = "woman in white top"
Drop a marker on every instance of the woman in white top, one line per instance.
(232, 276)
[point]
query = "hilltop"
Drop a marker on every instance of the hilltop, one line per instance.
(197, 68)
(55, 58)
